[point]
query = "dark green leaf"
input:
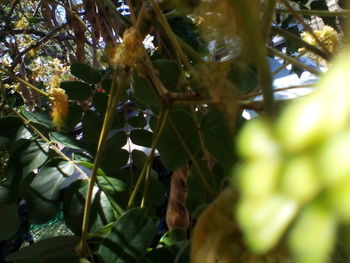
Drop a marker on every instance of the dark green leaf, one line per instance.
(75, 113)
(218, 137)
(85, 73)
(9, 221)
(138, 158)
(169, 72)
(29, 156)
(141, 137)
(43, 195)
(51, 250)
(243, 76)
(91, 126)
(12, 124)
(143, 91)
(138, 121)
(118, 140)
(73, 207)
(171, 151)
(113, 160)
(100, 102)
(76, 90)
(42, 118)
(156, 194)
(129, 238)
(65, 140)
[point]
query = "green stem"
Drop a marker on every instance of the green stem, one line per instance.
(315, 12)
(307, 27)
(289, 36)
(190, 155)
(292, 60)
(114, 96)
(258, 52)
(268, 17)
(155, 140)
(52, 145)
(24, 82)
(172, 37)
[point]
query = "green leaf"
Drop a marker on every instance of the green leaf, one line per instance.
(171, 151)
(138, 121)
(179, 252)
(65, 140)
(156, 193)
(143, 91)
(141, 137)
(218, 137)
(113, 160)
(100, 102)
(129, 238)
(169, 72)
(9, 221)
(29, 156)
(73, 207)
(197, 195)
(243, 76)
(91, 126)
(43, 196)
(85, 73)
(77, 90)
(42, 118)
(75, 113)
(172, 237)
(139, 158)
(116, 190)
(12, 124)
(114, 157)
(118, 140)
(51, 250)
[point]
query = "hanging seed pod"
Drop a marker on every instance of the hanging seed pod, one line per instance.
(106, 30)
(79, 34)
(47, 13)
(92, 17)
(177, 216)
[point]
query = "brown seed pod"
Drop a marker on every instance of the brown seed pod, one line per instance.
(47, 12)
(106, 30)
(177, 216)
(92, 17)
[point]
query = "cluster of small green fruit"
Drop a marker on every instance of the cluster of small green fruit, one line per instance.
(295, 179)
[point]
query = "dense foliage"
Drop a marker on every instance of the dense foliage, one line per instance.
(119, 95)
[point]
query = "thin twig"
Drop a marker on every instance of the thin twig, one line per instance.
(292, 60)
(300, 42)
(308, 28)
(254, 94)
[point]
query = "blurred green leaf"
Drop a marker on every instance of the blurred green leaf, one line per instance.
(54, 250)
(77, 90)
(9, 221)
(129, 238)
(85, 73)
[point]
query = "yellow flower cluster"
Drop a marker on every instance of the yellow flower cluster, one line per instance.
(59, 101)
(22, 23)
(128, 53)
(328, 36)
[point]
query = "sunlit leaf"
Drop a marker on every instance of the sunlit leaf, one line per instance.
(129, 238)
